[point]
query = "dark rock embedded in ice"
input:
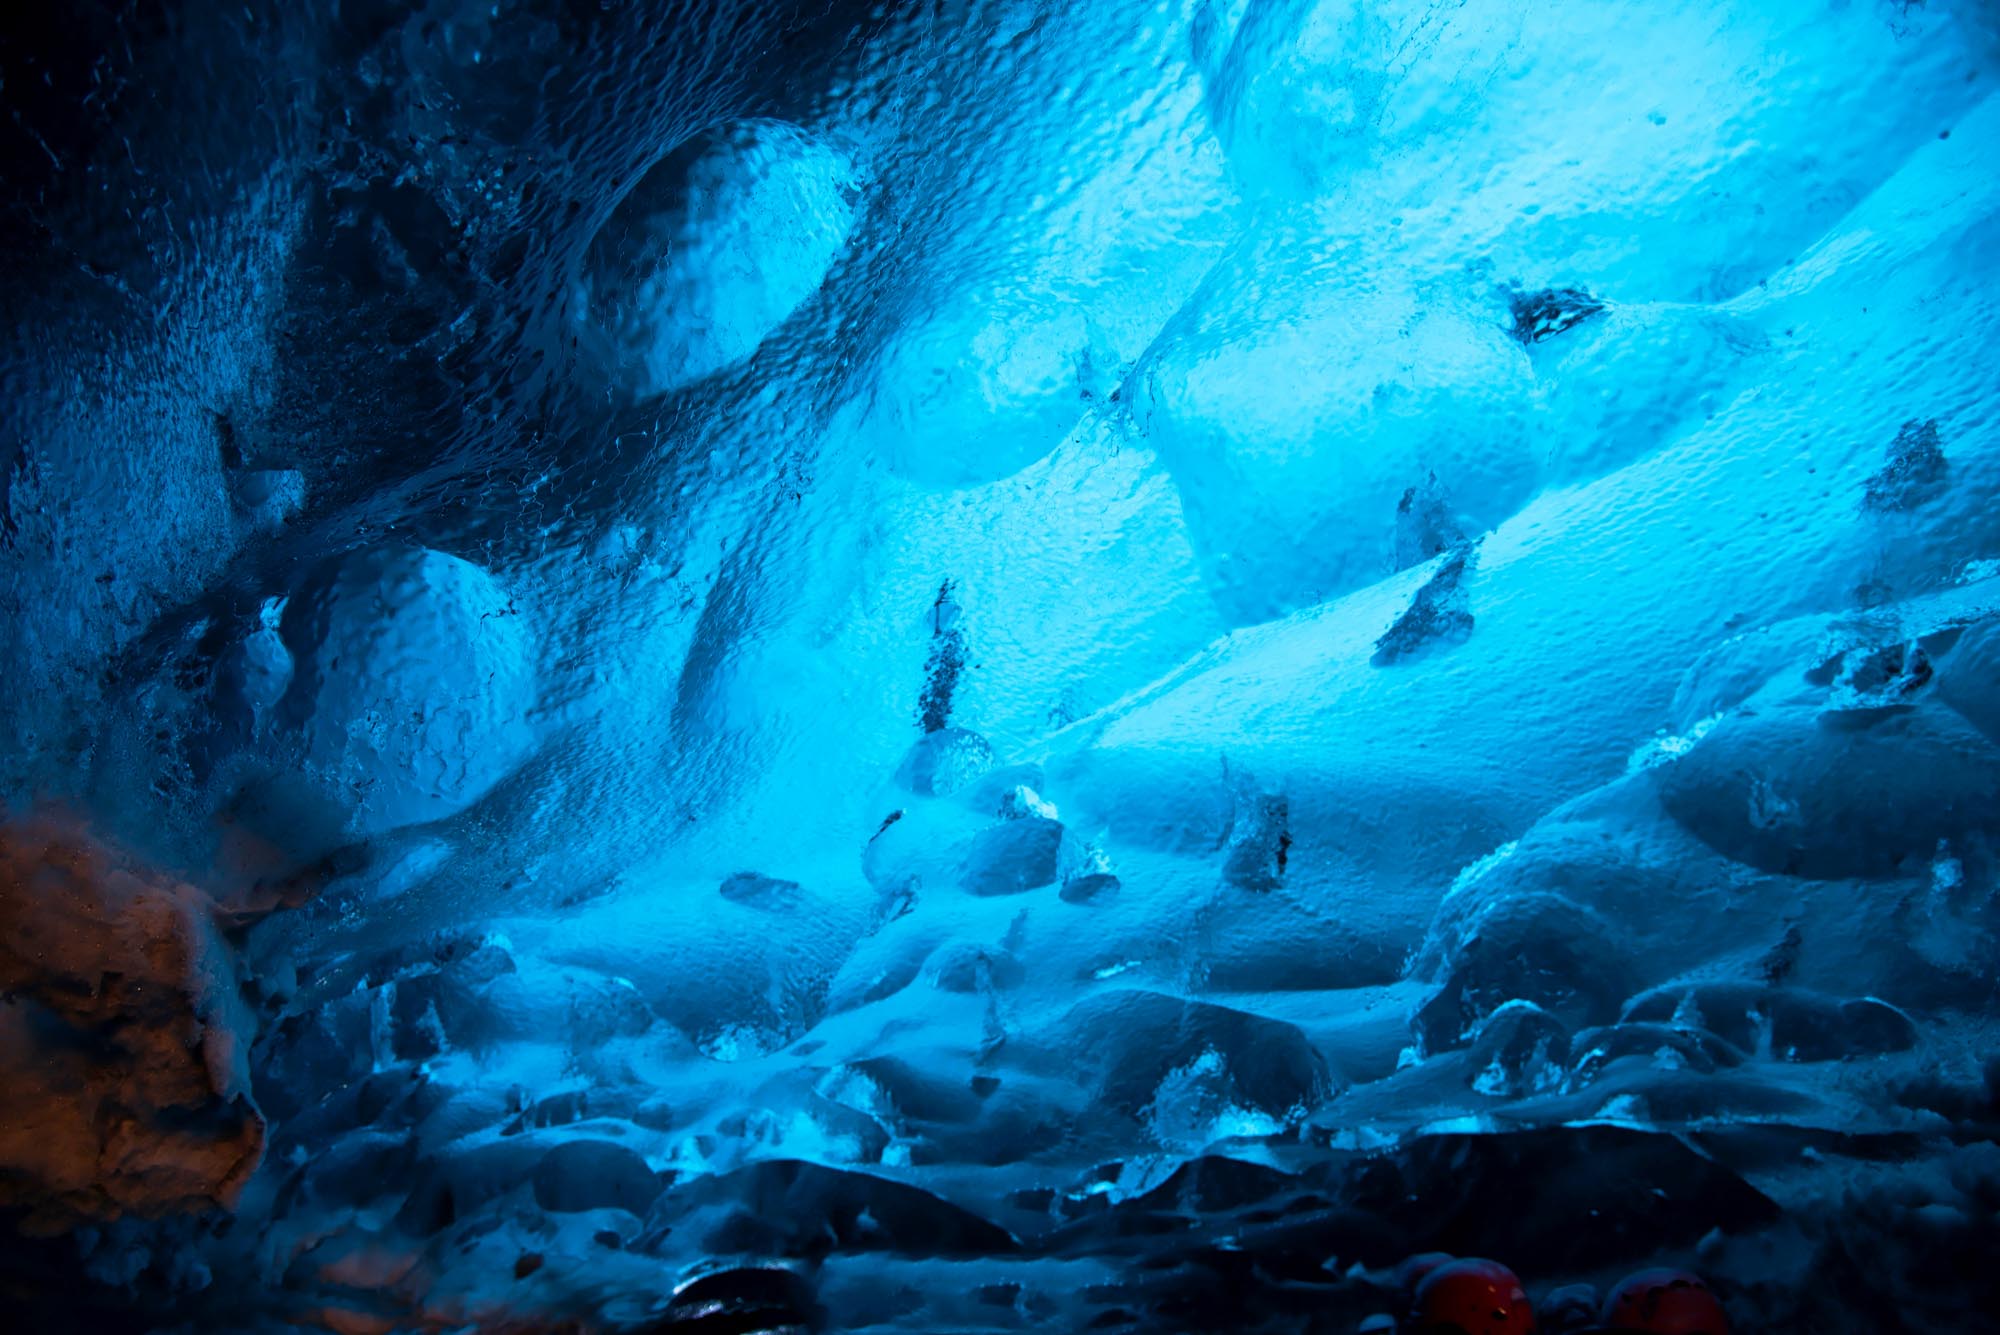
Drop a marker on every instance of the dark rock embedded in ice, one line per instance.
(129, 1090)
(945, 664)
(1128, 1042)
(1678, 1045)
(1439, 614)
(1092, 887)
(1014, 856)
(1888, 677)
(1789, 1023)
(1520, 1048)
(788, 1209)
(1968, 679)
(1784, 789)
(755, 890)
(1549, 311)
(1534, 947)
(1916, 471)
(943, 761)
(1260, 841)
(1426, 525)
(765, 1299)
(594, 1175)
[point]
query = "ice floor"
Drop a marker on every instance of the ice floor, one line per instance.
(998, 665)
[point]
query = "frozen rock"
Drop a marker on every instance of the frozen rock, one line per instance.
(945, 761)
(1440, 613)
(755, 890)
(1916, 471)
(759, 1298)
(1791, 1024)
(789, 1209)
(125, 1033)
(1888, 678)
(1519, 1048)
(716, 247)
(413, 683)
(1540, 948)
(1969, 678)
(1550, 311)
(1091, 880)
(1787, 790)
(594, 1175)
(1426, 525)
(1260, 841)
(1016, 856)
(1021, 801)
(1130, 1043)
(1680, 1045)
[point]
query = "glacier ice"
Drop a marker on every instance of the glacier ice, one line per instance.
(715, 247)
(410, 694)
(999, 665)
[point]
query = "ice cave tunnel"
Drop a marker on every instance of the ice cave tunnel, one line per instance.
(722, 666)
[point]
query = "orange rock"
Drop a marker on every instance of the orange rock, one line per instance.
(125, 1034)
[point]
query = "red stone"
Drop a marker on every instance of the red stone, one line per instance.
(1665, 1302)
(1472, 1297)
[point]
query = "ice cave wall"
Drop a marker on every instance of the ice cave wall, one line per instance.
(966, 594)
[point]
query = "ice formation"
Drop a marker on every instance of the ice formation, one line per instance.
(1002, 665)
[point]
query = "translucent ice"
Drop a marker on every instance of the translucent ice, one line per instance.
(961, 666)
(715, 246)
(412, 680)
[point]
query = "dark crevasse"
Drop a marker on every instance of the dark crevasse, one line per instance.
(1000, 665)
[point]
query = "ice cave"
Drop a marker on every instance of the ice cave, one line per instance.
(692, 667)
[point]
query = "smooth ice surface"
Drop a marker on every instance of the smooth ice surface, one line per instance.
(989, 653)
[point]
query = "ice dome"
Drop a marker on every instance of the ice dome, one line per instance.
(804, 665)
(716, 246)
(412, 686)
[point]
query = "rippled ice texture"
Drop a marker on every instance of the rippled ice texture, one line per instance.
(1004, 595)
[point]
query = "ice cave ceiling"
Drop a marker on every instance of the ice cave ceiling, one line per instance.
(988, 665)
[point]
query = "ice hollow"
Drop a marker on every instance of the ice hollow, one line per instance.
(998, 666)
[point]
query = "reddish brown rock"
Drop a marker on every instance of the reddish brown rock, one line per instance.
(124, 1034)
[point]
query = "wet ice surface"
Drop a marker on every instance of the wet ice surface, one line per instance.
(1011, 669)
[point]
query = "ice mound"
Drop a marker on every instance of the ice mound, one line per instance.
(986, 385)
(716, 246)
(412, 679)
(1293, 425)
